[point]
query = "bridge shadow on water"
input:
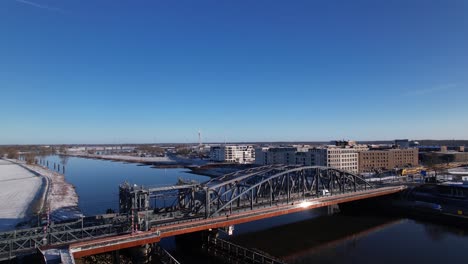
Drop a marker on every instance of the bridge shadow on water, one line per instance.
(291, 241)
(316, 237)
(362, 237)
(288, 237)
(351, 236)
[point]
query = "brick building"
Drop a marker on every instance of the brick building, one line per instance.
(388, 159)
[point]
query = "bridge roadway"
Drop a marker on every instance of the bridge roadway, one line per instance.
(157, 233)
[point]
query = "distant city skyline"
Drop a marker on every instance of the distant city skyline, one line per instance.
(74, 72)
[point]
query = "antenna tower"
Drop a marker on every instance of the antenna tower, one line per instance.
(199, 138)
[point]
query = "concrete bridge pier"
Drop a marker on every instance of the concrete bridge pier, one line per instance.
(116, 257)
(142, 254)
(187, 241)
(193, 242)
(333, 209)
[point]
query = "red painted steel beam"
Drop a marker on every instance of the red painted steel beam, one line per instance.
(120, 242)
(112, 247)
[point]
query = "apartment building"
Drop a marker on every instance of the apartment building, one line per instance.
(275, 155)
(233, 153)
(341, 158)
(343, 155)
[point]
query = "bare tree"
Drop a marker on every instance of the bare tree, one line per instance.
(63, 149)
(45, 151)
(12, 153)
(182, 150)
(30, 157)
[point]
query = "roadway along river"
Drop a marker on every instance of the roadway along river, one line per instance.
(306, 237)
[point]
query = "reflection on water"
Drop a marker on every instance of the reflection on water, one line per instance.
(64, 159)
(360, 239)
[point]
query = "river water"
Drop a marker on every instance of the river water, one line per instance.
(97, 181)
(306, 237)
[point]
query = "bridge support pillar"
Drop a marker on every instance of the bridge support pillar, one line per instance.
(333, 209)
(142, 254)
(192, 242)
(116, 257)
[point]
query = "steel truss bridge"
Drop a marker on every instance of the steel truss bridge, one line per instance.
(149, 214)
(242, 190)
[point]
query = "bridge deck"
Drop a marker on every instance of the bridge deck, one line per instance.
(199, 224)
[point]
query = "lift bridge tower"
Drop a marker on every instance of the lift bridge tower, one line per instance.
(132, 198)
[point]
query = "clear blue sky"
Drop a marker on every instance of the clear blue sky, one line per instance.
(157, 71)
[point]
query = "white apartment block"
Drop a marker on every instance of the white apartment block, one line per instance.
(233, 153)
(341, 158)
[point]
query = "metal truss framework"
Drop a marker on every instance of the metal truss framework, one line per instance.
(24, 240)
(250, 189)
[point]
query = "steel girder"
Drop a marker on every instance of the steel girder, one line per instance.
(24, 240)
(259, 187)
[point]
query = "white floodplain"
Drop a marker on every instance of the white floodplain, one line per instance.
(18, 189)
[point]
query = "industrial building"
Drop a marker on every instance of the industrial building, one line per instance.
(441, 157)
(402, 143)
(372, 160)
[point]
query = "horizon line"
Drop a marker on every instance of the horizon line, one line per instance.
(230, 142)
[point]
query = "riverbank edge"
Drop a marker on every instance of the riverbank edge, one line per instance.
(41, 195)
(47, 204)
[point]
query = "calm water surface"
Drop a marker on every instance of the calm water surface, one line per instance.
(343, 239)
(97, 181)
(306, 237)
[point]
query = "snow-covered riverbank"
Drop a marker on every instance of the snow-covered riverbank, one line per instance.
(61, 198)
(18, 190)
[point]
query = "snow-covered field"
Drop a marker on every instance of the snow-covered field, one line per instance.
(18, 188)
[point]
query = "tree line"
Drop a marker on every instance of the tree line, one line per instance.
(30, 152)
